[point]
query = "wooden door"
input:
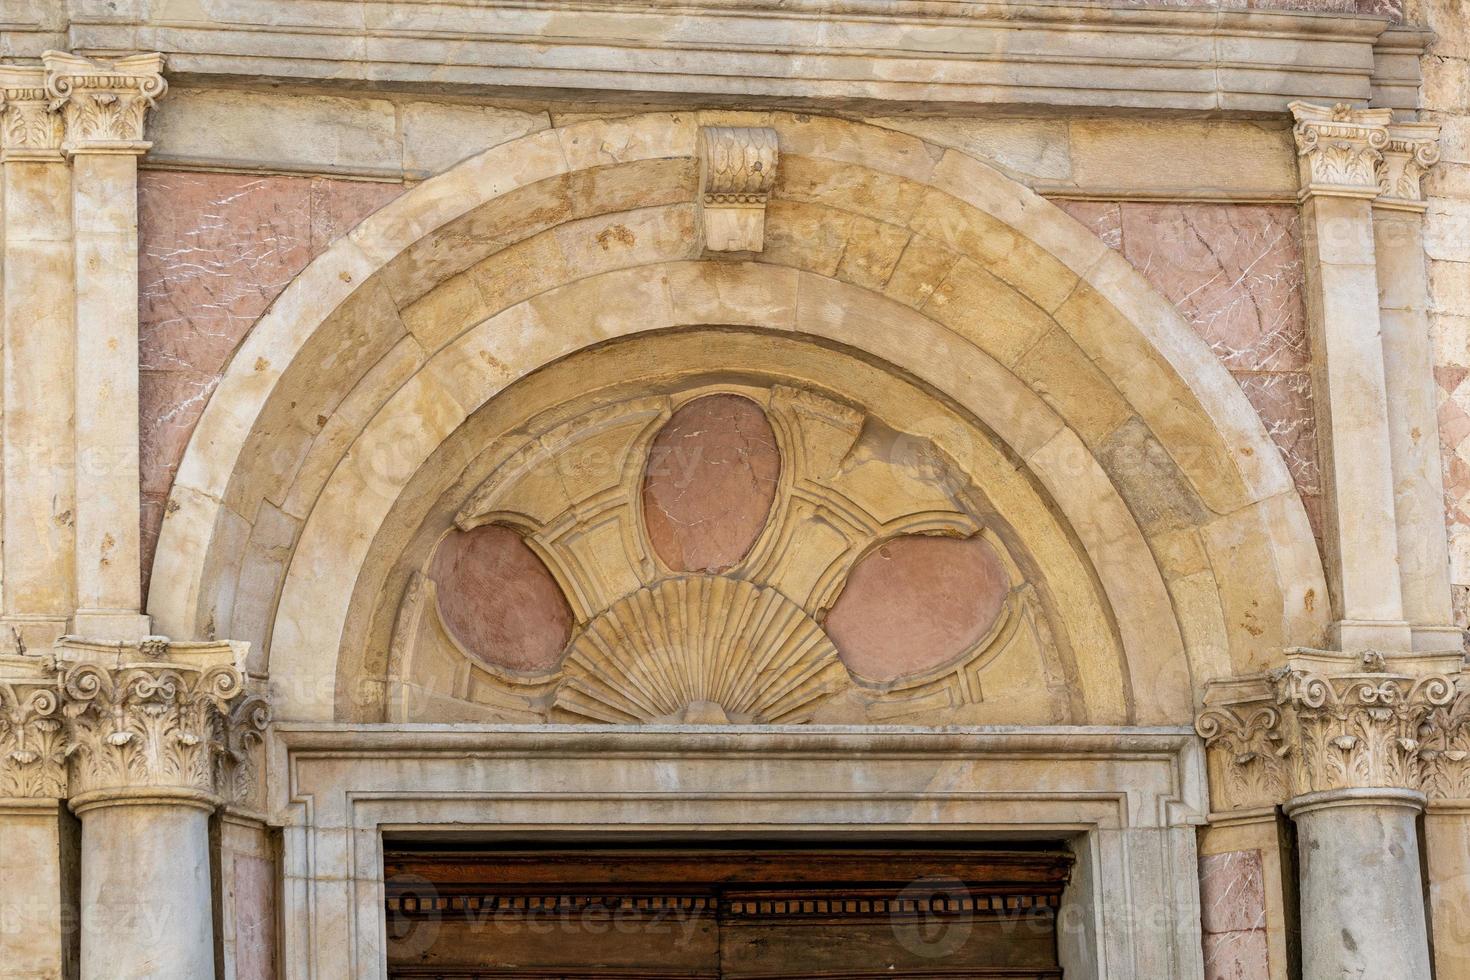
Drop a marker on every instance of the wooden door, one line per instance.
(747, 914)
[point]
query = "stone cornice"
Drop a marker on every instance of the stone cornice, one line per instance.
(71, 104)
(1363, 725)
(1345, 151)
(963, 52)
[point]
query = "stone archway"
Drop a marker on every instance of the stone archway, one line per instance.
(921, 258)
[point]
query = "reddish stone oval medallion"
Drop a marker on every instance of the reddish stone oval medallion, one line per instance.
(915, 603)
(499, 600)
(710, 483)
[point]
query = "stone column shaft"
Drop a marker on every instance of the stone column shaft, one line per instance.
(1408, 356)
(39, 510)
(1347, 743)
(1362, 899)
(1339, 151)
(104, 105)
(161, 735)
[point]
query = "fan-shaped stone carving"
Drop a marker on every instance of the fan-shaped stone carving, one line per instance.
(702, 649)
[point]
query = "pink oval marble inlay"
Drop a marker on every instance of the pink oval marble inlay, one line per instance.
(915, 603)
(710, 483)
(499, 600)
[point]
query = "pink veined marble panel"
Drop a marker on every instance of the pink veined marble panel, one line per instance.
(916, 603)
(255, 918)
(214, 251)
(1235, 273)
(499, 600)
(1233, 916)
(1454, 436)
(710, 483)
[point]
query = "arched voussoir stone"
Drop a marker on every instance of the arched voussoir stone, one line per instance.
(936, 264)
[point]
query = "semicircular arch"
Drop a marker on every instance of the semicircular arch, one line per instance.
(921, 257)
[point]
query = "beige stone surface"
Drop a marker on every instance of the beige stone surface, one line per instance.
(1117, 413)
(1015, 242)
(40, 908)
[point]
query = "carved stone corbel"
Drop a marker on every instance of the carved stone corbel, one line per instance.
(1339, 149)
(104, 102)
(158, 717)
(30, 125)
(32, 740)
(737, 171)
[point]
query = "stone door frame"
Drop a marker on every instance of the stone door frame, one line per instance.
(1127, 800)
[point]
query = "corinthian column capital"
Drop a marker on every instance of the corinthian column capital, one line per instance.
(1327, 722)
(32, 740)
(1339, 149)
(1358, 730)
(104, 102)
(1412, 149)
(30, 125)
(159, 719)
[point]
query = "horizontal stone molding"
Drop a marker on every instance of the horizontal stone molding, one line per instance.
(852, 53)
(1129, 800)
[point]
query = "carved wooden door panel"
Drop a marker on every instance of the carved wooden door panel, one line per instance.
(741, 915)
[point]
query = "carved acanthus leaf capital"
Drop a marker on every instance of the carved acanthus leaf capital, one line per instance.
(32, 739)
(1444, 751)
(104, 103)
(1339, 149)
(1358, 730)
(30, 126)
(1412, 149)
(158, 716)
(1361, 724)
(1247, 754)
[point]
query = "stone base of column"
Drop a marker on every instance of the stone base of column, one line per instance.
(1434, 639)
(1362, 903)
(110, 626)
(1362, 634)
(146, 896)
